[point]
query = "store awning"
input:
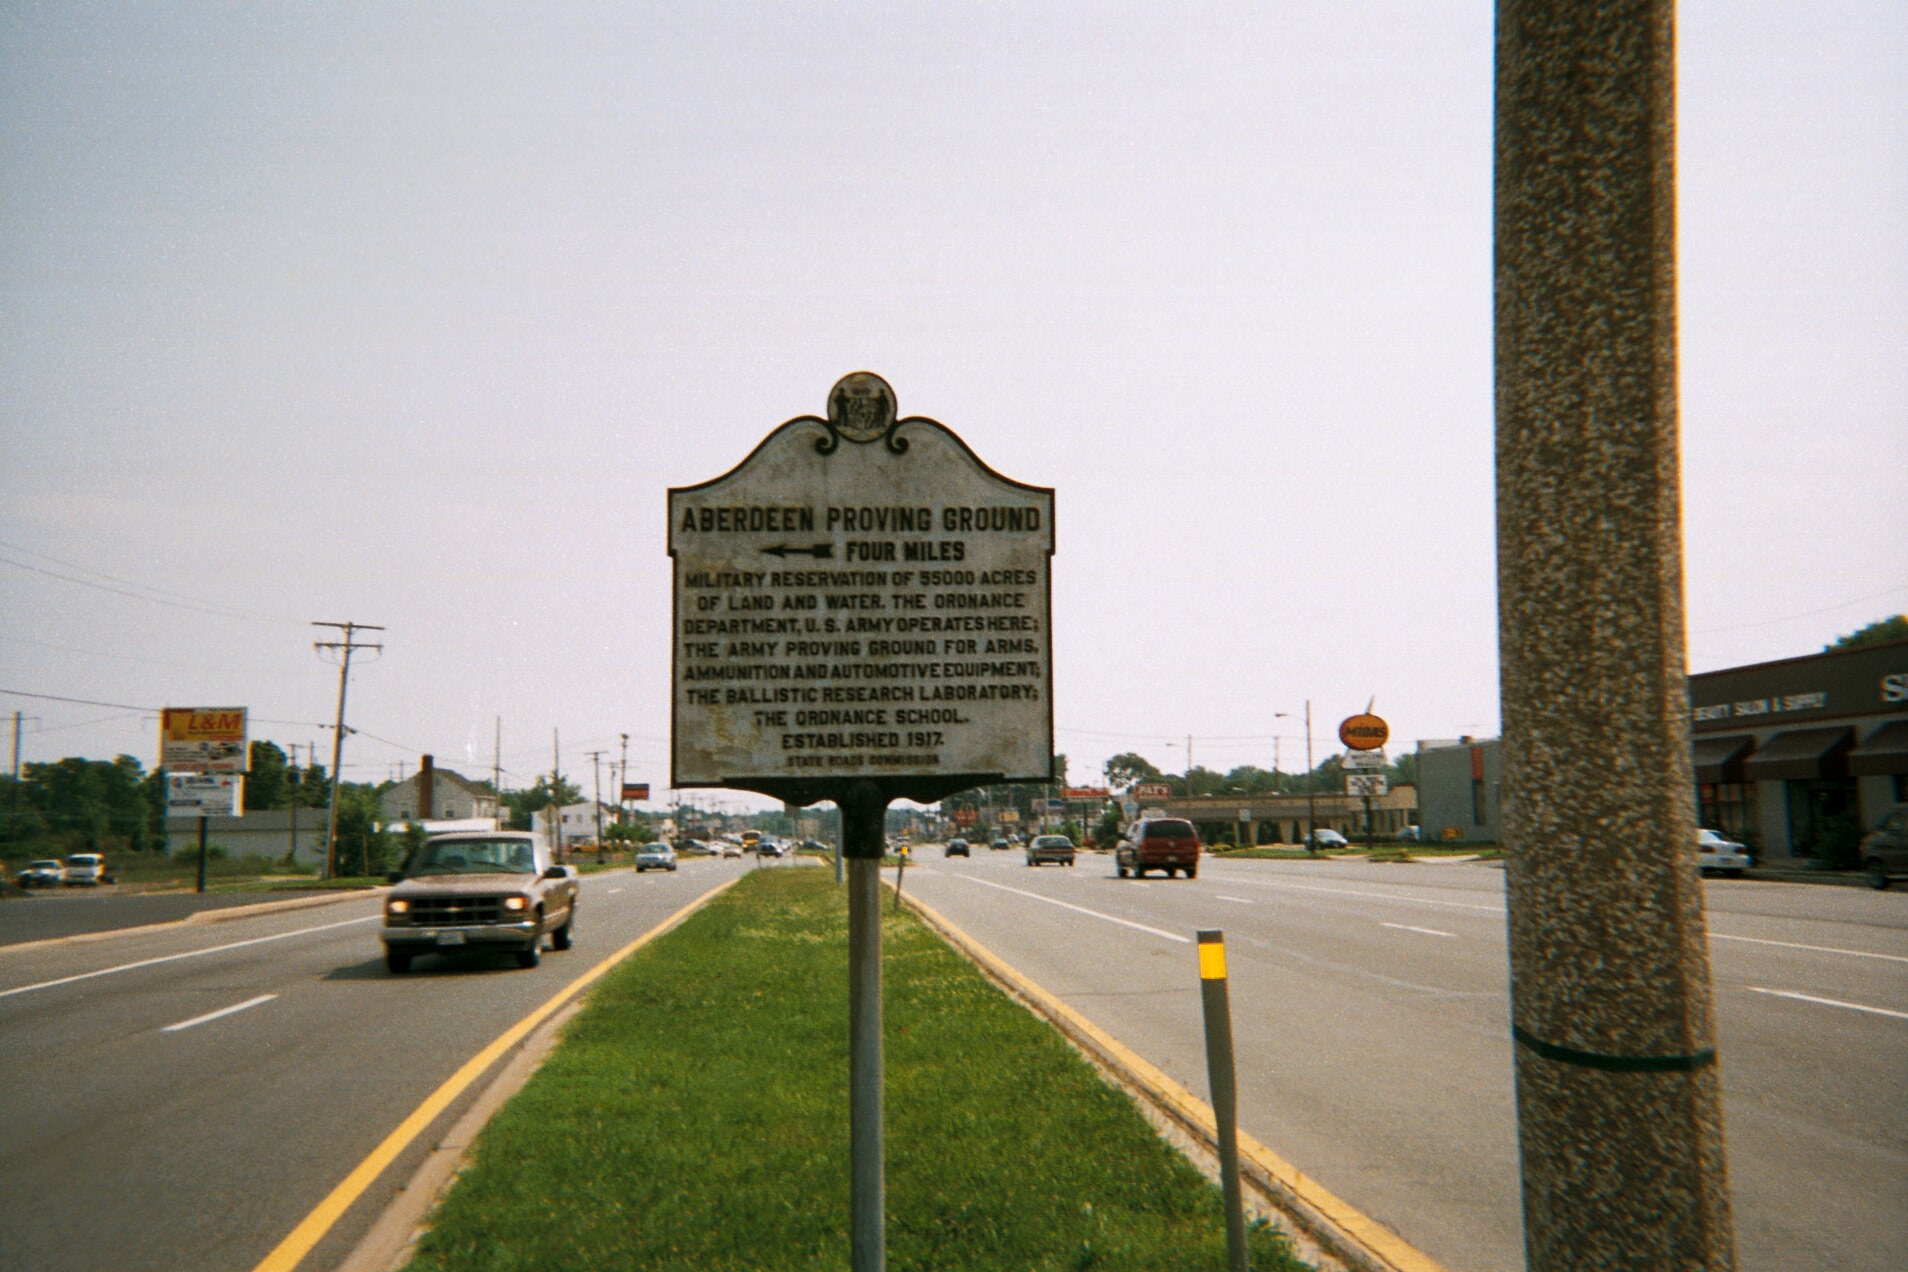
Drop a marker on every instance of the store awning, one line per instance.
(1720, 759)
(1884, 751)
(1801, 753)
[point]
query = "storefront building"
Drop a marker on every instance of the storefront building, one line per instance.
(1796, 758)
(1281, 819)
(1799, 758)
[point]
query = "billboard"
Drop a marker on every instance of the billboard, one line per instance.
(203, 739)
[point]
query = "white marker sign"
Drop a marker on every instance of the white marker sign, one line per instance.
(861, 597)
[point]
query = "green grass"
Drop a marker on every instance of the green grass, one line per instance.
(696, 1117)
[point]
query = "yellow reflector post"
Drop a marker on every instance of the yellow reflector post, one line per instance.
(1212, 960)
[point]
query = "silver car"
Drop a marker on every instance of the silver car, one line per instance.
(1054, 848)
(656, 856)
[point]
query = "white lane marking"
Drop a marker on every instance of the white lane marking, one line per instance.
(1819, 949)
(1067, 905)
(1352, 892)
(169, 958)
(1828, 1002)
(1241, 900)
(1406, 927)
(214, 1015)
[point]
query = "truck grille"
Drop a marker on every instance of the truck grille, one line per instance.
(458, 911)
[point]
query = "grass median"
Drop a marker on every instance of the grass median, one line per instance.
(696, 1116)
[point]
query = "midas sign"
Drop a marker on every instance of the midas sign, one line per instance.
(1364, 732)
(203, 739)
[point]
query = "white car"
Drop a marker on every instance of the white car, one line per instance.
(1325, 837)
(1725, 856)
(85, 868)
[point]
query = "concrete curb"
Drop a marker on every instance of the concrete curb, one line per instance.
(225, 914)
(389, 1244)
(396, 1231)
(1339, 1230)
(1837, 878)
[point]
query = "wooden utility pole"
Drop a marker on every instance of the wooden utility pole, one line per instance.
(345, 647)
(596, 780)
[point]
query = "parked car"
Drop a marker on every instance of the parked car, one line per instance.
(695, 848)
(656, 856)
(1158, 843)
(816, 846)
(42, 874)
(1411, 835)
(727, 848)
(1324, 837)
(956, 848)
(1722, 855)
(85, 869)
(1056, 848)
(1885, 849)
(478, 890)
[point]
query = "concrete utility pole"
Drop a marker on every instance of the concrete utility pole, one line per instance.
(1618, 1096)
(345, 649)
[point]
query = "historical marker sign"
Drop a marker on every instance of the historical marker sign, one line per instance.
(861, 597)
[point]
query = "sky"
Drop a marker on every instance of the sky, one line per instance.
(408, 314)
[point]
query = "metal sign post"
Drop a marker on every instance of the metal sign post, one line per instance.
(861, 614)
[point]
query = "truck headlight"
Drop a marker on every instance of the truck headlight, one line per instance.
(515, 903)
(397, 907)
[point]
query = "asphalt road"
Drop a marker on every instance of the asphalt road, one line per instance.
(131, 1145)
(44, 914)
(1371, 1015)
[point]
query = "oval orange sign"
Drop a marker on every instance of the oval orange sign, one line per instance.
(1364, 732)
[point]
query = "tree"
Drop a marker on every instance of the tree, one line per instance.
(1124, 770)
(266, 785)
(1894, 627)
(524, 805)
(364, 847)
(1404, 770)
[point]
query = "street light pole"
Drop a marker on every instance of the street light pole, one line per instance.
(1311, 789)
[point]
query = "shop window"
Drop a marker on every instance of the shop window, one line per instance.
(1822, 820)
(1730, 808)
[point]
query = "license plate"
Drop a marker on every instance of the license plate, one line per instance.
(450, 938)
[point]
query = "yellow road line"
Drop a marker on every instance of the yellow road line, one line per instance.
(1392, 1249)
(312, 1229)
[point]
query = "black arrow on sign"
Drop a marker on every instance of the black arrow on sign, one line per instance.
(821, 551)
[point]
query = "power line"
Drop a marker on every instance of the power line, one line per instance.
(194, 606)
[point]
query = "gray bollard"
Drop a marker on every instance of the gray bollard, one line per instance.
(1224, 1083)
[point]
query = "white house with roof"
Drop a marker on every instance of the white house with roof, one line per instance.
(433, 794)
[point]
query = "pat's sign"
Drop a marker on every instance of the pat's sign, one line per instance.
(861, 597)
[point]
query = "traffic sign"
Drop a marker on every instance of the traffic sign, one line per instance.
(1152, 790)
(203, 740)
(1366, 785)
(1364, 759)
(1364, 732)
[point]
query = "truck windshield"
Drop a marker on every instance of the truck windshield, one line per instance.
(474, 856)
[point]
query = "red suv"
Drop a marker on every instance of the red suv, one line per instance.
(1159, 843)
